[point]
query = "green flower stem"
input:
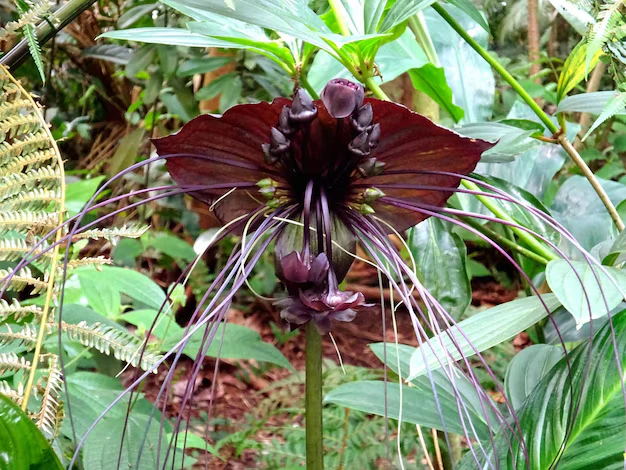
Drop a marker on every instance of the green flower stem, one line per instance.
(417, 24)
(313, 400)
(569, 148)
(502, 240)
(341, 22)
(307, 86)
(492, 205)
(375, 88)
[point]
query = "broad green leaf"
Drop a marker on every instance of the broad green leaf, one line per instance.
(22, 446)
(575, 69)
(575, 14)
(562, 327)
(170, 245)
(418, 405)
(238, 342)
(510, 141)
(170, 36)
(432, 81)
(134, 14)
(595, 297)
(103, 297)
(595, 436)
(126, 152)
(217, 86)
(109, 52)
(141, 59)
(527, 368)
(78, 194)
(483, 331)
(593, 103)
(402, 10)
(75, 313)
(576, 200)
(468, 75)
(474, 13)
(231, 95)
(132, 283)
(204, 65)
(527, 125)
(617, 105)
(440, 256)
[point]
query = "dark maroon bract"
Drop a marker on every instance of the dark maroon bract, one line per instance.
(325, 160)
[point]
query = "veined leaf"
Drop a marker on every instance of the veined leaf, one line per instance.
(401, 11)
(480, 332)
(617, 105)
(474, 13)
(575, 14)
(432, 81)
(594, 102)
(169, 36)
(575, 69)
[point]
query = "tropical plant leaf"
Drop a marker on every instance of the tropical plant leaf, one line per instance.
(431, 80)
(575, 69)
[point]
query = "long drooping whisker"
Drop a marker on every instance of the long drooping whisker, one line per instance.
(306, 218)
(381, 243)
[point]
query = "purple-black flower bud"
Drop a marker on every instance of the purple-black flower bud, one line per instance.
(302, 108)
(371, 167)
(362, 117)
(270, 158)
(283, 121)
(342, 97)
(360, 144)
(278, 143)
(374, 135)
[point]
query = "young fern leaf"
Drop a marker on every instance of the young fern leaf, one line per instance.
(26, 337)
(615, 106)
(50, 414)
(17, 312)
(30, 13)
(109, 340)
(609, 19)
(12, 362)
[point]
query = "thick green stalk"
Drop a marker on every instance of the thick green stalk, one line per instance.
(417, 24)
(313, 400)
(531, 241)
(375, 88)
(341, 22)
(499, 238)
(46, 30)
(562, 139)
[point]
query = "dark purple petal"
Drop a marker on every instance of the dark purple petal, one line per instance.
(342, 97)
(319, 269)
(343, 315)
(294, 268)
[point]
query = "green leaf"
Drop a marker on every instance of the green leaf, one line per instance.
(576, 200)
(575, 14)
(483, 331)
(402, 10)
(599, 296)
(103, 297)
(617, 105)
(22, 446)
(170, 245)
(418, 405)
(575, 69)
(141, 59)
(594, 437)
(474, 13)
(231, 94)
(78, 194)
(526, 125)
(527, 369)
(109, 52)
(217, 86)
(169, 36)
(510, 141)
(238, 342)
(594, 102)
(204, 65)
(468, 75)
(440, 256)
(134, 14)
(132, 283)
(432, 81)
(126, 152)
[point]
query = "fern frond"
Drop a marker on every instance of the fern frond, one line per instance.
(18, 155)
(22, 279)
(12, 362)
(112, 234)
(34, 222)
(31, 16)
(35, 199)
(26, 8)
(12, 107)
(17, 311)
(48, 416)
(616, 105)
(124, 346)
(607, 21)
(12, 249)
(81, 262)
(46, 177)
(14, 125)
(27, 336)
(7, 391)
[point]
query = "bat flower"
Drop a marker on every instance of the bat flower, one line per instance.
(329, 170)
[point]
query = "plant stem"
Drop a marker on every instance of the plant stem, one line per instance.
(498, 212)
(417, 24)
(307, 86)
(341, 22)
(375, 88)
(569, 148)
(499, 238)
(313, 399)
(46, 30)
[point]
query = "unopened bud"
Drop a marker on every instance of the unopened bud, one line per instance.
(268, 192)
(278, 143)
(270, 158)
(371, 194)
(366, 209)
(360, 145)
(374, 135)
(283, 122)
(362, 117)
(302, 109)
(342, 97)
(266, 183)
